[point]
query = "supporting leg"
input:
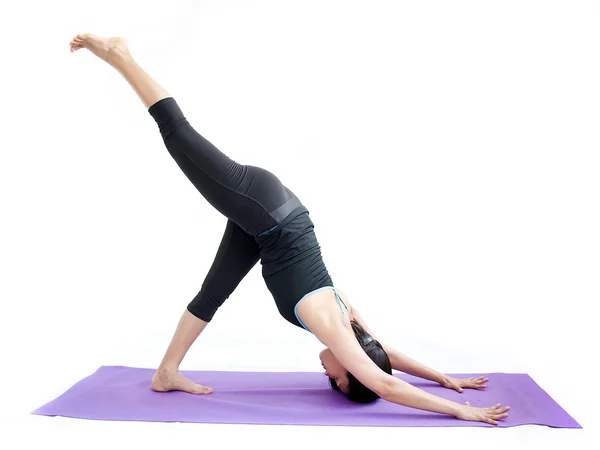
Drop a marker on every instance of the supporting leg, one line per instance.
(237, 254)
(167, 377)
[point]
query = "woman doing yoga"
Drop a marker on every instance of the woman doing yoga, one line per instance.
(268, 222)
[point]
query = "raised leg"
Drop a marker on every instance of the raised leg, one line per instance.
(210, 170)
(244, 193)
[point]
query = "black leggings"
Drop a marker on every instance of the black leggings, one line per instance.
(253, 199)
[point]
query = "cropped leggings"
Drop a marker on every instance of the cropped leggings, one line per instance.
(253, 199)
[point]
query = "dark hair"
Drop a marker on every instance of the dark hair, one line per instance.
(357, 391)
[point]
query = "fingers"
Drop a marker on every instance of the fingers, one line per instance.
(480, 382)
(475, 383)
(489, 415)
(497, 410)
(496, 413)
(479, 379)
(494, 418)
(493, 409)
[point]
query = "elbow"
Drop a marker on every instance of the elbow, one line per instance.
(385, 387)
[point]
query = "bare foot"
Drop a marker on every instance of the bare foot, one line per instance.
(106, 48)
(171, 380)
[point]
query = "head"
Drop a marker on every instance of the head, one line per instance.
(342, 380)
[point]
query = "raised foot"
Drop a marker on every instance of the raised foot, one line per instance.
(170, 380)
(106, 48)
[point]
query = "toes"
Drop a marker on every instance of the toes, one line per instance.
(199, 390)
(203, 389)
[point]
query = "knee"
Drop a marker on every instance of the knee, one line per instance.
(168, 116)
(204, 306)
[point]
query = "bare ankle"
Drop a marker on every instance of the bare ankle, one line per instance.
(167, 369)
(119, 59)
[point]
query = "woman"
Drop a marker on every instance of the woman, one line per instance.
(267, 222)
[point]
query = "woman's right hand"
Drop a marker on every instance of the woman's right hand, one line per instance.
(489, 415)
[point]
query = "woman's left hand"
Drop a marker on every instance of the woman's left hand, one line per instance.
(468, 383)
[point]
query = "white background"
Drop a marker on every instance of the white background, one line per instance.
(447, 152)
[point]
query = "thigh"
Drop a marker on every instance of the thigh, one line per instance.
(237, 254)
(243, 193)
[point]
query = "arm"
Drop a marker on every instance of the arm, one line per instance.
(408, 365)
(402, 362)
(342, 342)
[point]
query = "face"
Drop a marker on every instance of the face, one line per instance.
(334, 369)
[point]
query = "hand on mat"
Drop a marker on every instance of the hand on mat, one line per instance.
(489, 415)
(469, 383)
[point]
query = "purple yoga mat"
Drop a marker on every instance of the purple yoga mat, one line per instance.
(290, 398)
